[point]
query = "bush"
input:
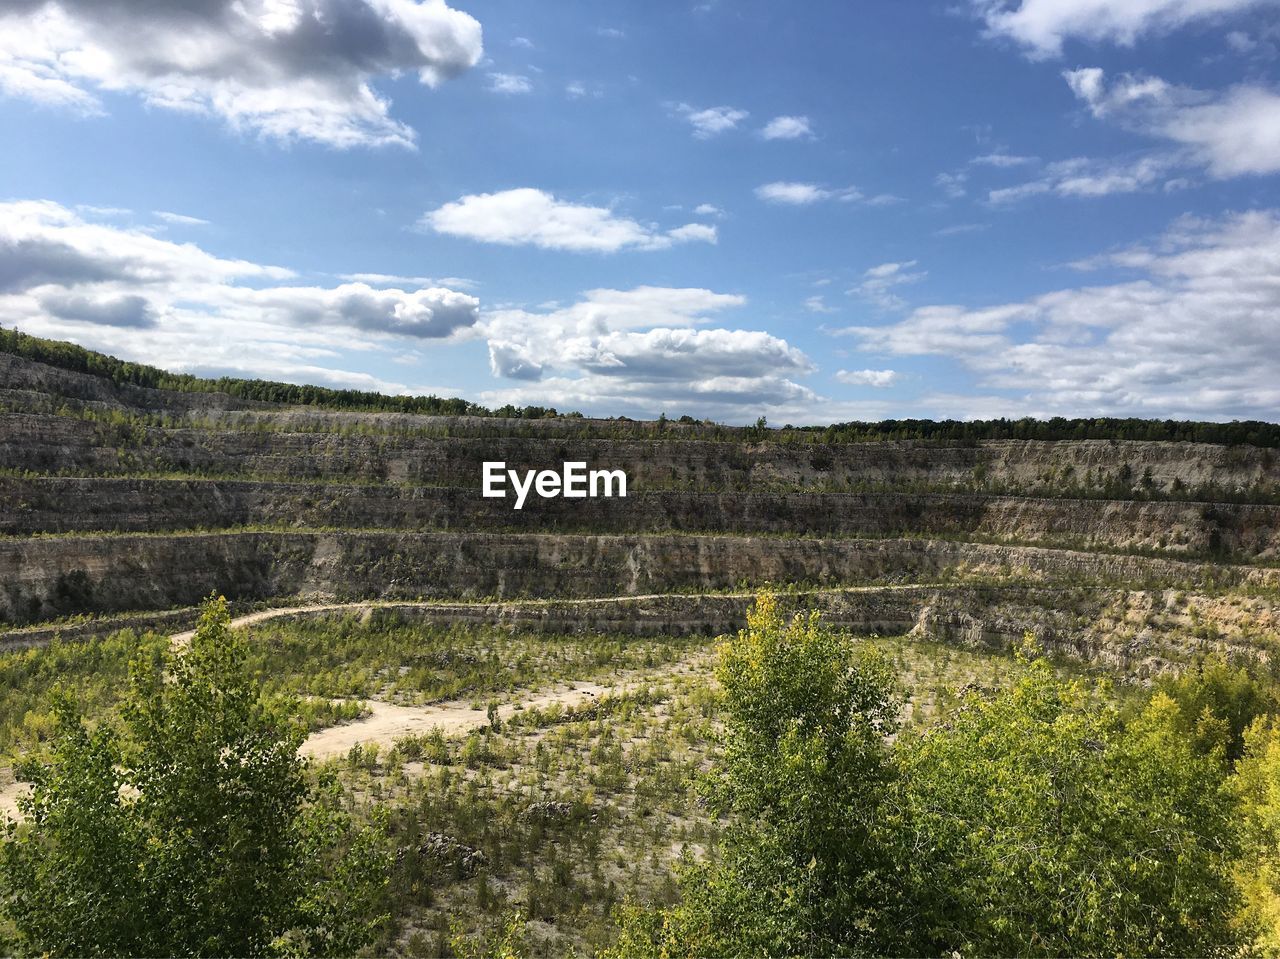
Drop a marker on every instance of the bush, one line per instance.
(193, 830)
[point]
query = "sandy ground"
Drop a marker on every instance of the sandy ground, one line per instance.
(181, 639)
(9, 796)
(387, 723)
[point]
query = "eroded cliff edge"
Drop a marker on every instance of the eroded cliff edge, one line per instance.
(123, 498)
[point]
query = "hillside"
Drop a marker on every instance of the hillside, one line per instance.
(124, 498)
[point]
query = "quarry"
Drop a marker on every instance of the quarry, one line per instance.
(515, 665)
(130, 504)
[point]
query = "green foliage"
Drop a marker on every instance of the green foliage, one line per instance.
(1036, 823)
(1217, 701)
(194, 830)
(92, 671)
(1239, 432)
(1033, 821)
(1256, 785)
(510, 945)
(803, 777)
(413, 662)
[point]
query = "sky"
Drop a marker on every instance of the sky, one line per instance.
(814, 212)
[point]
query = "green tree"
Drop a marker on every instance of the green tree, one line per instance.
(1031, 821)
(193, 830)
(1218, 700)
(1035, 822)
(804, 769)
(1256, 784)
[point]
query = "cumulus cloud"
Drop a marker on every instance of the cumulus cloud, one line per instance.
(879, 283)
(876, 378)
(529, 217)
(708, 209)
(65, 277)
(787, 128)
(285, 69)
(1234, 132)
(1191, 334)
(126, 310)
(645, 349)
(712, 120)
(432, 313)
(697, 232)
(791, 193)
(723, 399)
(1041, 27)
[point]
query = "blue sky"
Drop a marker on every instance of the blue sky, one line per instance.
(815, 212)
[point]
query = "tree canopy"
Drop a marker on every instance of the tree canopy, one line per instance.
(1038, 819)
(192, 828)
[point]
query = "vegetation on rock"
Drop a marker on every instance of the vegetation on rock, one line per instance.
(1034, 820)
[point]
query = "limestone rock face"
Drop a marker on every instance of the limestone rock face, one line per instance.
(118, 499)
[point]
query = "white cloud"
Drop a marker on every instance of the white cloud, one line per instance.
(65, 277)
(108, 212)
(1084, 177)
(1236, 135)
(707, 209)
(529, 217)
(1235, 132)
(879, 282)
(642, 349)
(816, 304)
(509, 83)
(397, 279)
(802, 194)
(711, 121)
(699, 232)
(285, 69)
(1040, 27)
(959, 229)
(179, 219)
(952, 184)
(1193, 334)
(522, 42)
(1002, 160)
(877, 378)
(787, 128)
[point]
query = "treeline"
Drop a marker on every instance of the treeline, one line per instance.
(69, 356)
(1235, 433)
